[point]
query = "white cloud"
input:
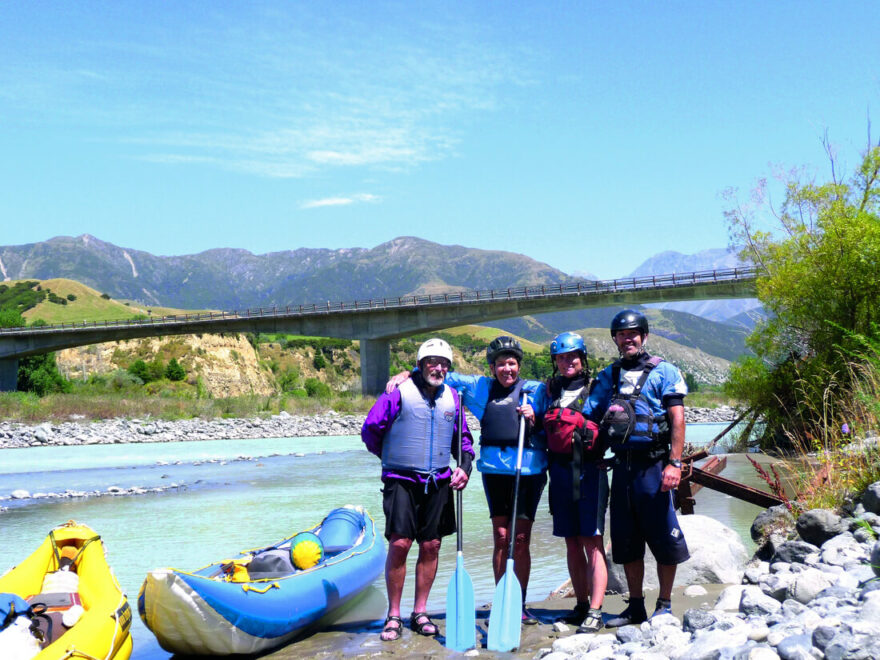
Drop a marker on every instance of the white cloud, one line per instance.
(285, 97)
(340, 201)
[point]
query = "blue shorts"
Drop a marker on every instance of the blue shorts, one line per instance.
(643, 514)
(499, 494)
(586, 515)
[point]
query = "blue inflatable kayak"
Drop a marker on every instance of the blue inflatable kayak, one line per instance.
(253, 602)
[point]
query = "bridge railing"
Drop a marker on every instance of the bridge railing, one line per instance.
(588, 287)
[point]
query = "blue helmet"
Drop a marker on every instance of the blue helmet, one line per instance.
(567, 342)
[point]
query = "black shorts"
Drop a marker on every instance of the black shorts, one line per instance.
(641, 513)
(499, 494)
(413, 513)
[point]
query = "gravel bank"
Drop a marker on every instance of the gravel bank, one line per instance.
(284, 425)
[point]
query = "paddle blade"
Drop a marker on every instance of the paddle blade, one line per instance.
(461, 616)
(505, 620)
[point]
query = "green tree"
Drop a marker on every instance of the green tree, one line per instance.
(289, 380)
(319, 362)
(138, 369)
(315, 388)
(11, 318)
(819, 263)
(39, 374)
(155, 370)
(174, 372)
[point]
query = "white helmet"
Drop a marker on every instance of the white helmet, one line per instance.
(434, 348)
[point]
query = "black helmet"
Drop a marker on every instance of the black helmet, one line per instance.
(501, 345)
(629, 319)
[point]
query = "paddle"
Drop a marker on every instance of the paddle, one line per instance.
(461, 617)
(506, 616)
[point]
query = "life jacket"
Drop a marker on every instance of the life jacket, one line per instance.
(571, 437)
(420, 438)
(499, 435)
(629, 422)
(499, 426)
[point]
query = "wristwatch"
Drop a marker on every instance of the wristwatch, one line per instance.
(674, 462)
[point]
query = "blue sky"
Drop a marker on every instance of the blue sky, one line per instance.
(586, 135)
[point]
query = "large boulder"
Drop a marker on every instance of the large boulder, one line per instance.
(775, 520)
(770, 529)
(818, 525)
(718, 556)
(792, 552)
(871, 498)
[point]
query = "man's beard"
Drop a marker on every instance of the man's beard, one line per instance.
(434, 380)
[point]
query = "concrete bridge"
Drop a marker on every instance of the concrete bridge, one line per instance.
(375, 322)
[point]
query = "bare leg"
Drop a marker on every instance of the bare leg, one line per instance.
(522, 556)
(635, 577)
(666, 577)
(426, 570)
(395, 573)
(577, 568)
(500, 528)
(598, 569)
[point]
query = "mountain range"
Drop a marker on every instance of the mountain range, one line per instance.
(231, 279)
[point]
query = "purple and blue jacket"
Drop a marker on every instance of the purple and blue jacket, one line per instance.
(382, 416)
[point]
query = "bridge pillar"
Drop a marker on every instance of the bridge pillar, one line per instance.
(375, 361)
(8, 374)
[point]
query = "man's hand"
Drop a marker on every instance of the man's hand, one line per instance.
(671, 478)
(528, 412)
(396, 381)
(459, 479)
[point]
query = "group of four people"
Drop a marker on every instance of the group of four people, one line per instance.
(634, 407)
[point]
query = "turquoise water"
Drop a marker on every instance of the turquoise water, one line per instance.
(219, 508)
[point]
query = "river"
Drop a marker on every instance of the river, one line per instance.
(229, 495)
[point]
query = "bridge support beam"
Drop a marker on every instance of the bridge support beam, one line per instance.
(375, 361)
(8, 375)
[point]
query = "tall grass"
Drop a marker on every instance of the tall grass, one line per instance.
(835, 458)
(29, 408)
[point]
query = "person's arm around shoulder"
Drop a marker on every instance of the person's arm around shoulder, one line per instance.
(379, 420)
(396, 381)
(462, 471)
(599, 396)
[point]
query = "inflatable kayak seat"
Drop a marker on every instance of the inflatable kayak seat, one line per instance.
(340, 530)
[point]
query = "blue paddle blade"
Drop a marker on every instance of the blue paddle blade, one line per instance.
(505, 620)
(461, 616)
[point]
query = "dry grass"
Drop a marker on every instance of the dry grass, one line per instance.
(29, 408)
(831, 464)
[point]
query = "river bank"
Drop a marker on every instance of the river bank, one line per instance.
(810, 592)
(284, 425)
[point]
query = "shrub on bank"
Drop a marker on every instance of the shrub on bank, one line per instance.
(840, 458)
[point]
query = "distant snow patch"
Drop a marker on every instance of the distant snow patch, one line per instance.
(3, 270)
(134, 271)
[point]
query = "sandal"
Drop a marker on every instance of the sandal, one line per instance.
(528, 619)
(421, 623)
(393, 631)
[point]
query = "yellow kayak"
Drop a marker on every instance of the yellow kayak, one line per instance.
(99, 618)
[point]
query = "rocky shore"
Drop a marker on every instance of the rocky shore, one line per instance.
(812, 591)
(284, 425)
